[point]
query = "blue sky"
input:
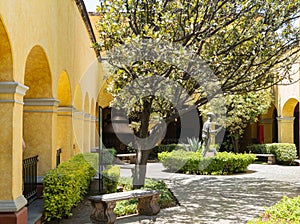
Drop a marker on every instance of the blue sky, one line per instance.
(91, 5)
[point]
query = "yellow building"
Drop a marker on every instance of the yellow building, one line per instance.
(281, 122)
(50, 78)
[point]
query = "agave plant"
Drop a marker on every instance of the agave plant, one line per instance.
(194, 145)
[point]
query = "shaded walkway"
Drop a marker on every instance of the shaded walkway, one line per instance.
(214, 199)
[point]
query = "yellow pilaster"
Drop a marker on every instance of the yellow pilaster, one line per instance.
(93, 133)
(87, 133)
(65, 132)
(40, 131)
(78, 128)
(285, 129)
(11, 120)
(268, 130)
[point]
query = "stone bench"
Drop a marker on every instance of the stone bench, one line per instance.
(127, 156)
(271, 157)
(103, 205)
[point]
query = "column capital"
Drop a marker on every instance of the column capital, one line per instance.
(13, 87)
(285, 119)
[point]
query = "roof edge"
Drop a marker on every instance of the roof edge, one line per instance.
(84, 14)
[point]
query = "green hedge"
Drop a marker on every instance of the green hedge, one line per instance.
(65, 186)
(111, 177)
(285, 153)
(192, 162)
(163, 148)
(287, 210)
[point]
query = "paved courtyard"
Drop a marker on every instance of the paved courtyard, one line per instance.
(223, 199)
(215, 199)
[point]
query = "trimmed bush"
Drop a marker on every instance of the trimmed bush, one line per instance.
(259, 149)
(287, 210)
(192, 162)
(285, 153)
(111, 177)
(65, 186)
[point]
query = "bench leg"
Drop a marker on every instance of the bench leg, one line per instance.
(271, 160)
(103, 212)
(149, 205)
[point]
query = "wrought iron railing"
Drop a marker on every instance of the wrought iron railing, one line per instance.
(30, 178)
(58, 152)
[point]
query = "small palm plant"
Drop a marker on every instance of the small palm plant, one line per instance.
(194, 145)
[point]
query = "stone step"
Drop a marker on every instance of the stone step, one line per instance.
(35, 212)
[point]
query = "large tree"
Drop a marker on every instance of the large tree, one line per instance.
(248, 45)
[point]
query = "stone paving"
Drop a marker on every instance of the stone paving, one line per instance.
(223, 199)
(215, 199)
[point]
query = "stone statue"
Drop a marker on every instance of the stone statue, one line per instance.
(207, 132)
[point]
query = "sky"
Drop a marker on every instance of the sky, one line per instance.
(91, 5)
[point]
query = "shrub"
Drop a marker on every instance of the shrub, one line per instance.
(65, 186)
(177, 159)
(287, 210)
(222, 163)
(259, 149)
(111, 177)
(163, 148)
(194, 145)
(127, 207)
(284, 152)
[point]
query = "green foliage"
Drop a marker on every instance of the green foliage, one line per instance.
(259, 148)
(65, 186)
(127, 207)
(194, 145)
(111, 177)
(285, 153)
(221, 164)
(287, 210)
(164, 148)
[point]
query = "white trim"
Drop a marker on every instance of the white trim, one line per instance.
(13, 205)
(285, 118)
(13, 87)
(66, 109)
(41, 102)
(12, 101)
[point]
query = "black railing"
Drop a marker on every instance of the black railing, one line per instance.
(30, 178)
(58, 152)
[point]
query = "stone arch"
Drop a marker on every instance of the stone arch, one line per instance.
(6, 59)
(64, 117)
(40, 109)
(37, 74)
(64, 94)
(270, 124)
(289, 107)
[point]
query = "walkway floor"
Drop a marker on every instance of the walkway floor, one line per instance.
(214, 199)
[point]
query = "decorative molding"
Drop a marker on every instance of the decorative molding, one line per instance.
(13, 205)
(66, 109)
(41, 102)
(13, 87)
(285, 118)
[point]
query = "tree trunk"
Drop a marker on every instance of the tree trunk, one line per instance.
(142, 154)
(140, 168)
(235, 142)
